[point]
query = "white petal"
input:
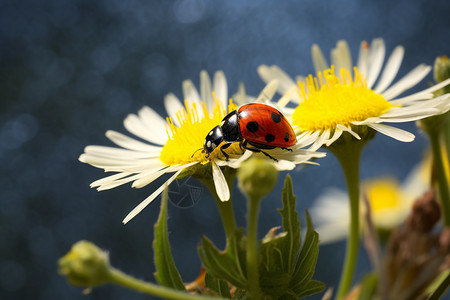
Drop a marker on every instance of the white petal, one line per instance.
(267, 93)
(321, 140)
(148, 126)
(408, 81)
(319, 61)
(284, 165)
(341, 57)
(306, 138)
(235, 163)
(220, 183)
(109, 179)
(271, 73)
(173, 106)
(118, 165)
(113, 184)
(241, 97)
(130, 143)
(349, 130)
(206, 90)
(221, 87)
(337, 134)
(363, 63)
(376, 58)
(400, 115)
(191, 96)
(422, 95)
(149, 177)
(287, 97)
(107, 162)
(149, 199)
(396, 133)
(391, 69)
(124, 154)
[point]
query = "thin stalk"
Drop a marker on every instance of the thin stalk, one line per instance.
(252, 248)
(442, 180)
(125, 280)
(349, 157)
(225, 207)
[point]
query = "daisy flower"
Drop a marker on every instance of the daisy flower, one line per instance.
(347, 98)
(345, 105)
(390, 203)
(173, 145)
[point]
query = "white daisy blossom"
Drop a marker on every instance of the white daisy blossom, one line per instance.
(143, 161)
(369, 67)
(390, 203)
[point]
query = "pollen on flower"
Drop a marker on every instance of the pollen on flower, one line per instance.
(185, 143)
(329, 100)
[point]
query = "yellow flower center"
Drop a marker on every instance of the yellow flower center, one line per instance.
(383, 194)
(185, 143)
(329, 100)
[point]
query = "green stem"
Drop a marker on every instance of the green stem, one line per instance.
(122, 279)
(225, 207)
(252, 247)
(348, 155)
(443, 185)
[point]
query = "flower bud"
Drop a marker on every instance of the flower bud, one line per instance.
(257, 177)
(442, 71)
(85, 265)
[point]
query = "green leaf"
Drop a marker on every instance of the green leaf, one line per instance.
(228, 265)
(166, 272)
(218, 285)
(286, 268)
(275, 283)
(291, 225)
(312, 287)
(278, 253)
(306, 264)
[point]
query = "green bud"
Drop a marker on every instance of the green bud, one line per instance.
(433, 123)
(441, 69)
(257, 177)
(85, 265)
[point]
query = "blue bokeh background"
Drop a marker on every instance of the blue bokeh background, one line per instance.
(70, 70)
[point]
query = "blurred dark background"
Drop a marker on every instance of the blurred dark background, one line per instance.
(70, 70)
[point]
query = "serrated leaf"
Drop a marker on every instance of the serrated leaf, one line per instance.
(306, 264)
(218, 285)
(312, 287)
(228, 265)
(291, 225)
(166, 272)
(286, 267)
(274, 283)
(278, 253)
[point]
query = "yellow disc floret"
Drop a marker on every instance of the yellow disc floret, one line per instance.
(329, 100)
(185, 143)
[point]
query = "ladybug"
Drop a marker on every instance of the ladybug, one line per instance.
(255, 126)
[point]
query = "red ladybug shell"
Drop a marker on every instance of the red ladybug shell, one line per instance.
(264, 124)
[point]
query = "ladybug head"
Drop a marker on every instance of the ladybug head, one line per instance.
(213, 139)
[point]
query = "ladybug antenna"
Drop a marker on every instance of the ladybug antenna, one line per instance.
(196, 152)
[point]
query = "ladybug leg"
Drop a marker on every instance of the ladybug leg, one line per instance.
(257, 150)
(288, 149)
(223, 147)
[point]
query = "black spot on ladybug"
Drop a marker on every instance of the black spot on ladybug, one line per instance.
(269, 138)
(252, 126)
(286, 137)
(276, 117)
